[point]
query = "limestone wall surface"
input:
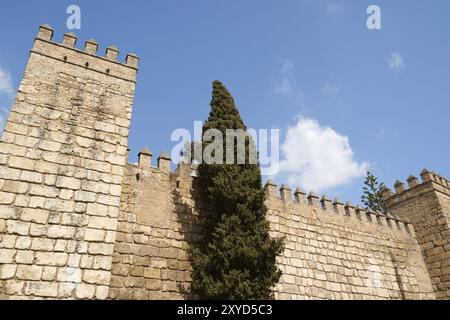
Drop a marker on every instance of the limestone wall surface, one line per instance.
(332, 251)
(341, 252)
(62, 159)
(157, 223)
(426, 205)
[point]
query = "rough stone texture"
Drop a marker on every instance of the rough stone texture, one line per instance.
(158, 221)
(62, 156)
(343, 255)
(78, 222)
(338, 253)
(427, 206)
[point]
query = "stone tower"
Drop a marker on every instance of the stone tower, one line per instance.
(427, 206)
(62, 159)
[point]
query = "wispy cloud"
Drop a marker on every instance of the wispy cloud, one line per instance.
(6, 95)
(316, 158)
(330, 89)
(379, 134)
(286, 85)
(395, 61)
(335, 8)
(6, 87)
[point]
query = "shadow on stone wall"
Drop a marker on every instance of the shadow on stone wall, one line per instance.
(190, 213)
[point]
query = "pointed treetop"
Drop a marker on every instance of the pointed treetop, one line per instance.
(224, 114)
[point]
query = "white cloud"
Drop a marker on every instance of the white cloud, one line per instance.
(318, 158)
(395, 61)
(335, 9)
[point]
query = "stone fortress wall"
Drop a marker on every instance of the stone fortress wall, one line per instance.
(79, 222)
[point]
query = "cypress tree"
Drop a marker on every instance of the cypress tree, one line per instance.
(237, 259)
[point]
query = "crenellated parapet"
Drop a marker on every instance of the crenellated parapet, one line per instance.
(431, 181)
(88, 57)
(324, 205)
(285, 197)
(333, 249)
(145, 161)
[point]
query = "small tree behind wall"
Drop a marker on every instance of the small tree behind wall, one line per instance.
(372, 197)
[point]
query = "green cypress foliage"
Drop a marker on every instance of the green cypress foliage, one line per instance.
(237, 259)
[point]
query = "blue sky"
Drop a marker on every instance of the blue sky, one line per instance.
(344, 97)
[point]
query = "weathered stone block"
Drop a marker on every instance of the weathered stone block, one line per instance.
(49, 273)
(96, 209)
(69, 275)
(14, 287)
(16, 187)
(102, 262)
(57, 259)
(6, 198)
(29, 272)
(21, 163)
(42, 289)
(68, 183)
(101, 292)
(17, 227)
(101, 249)
(35, 215)
(94, 235)
(7, 271)
(96, 277)
(58, 231)
(30, 176)
(152, 273)
(105, 223)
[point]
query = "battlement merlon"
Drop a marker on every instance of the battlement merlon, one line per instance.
(336, 208)
(87, 58)
(431, 181)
